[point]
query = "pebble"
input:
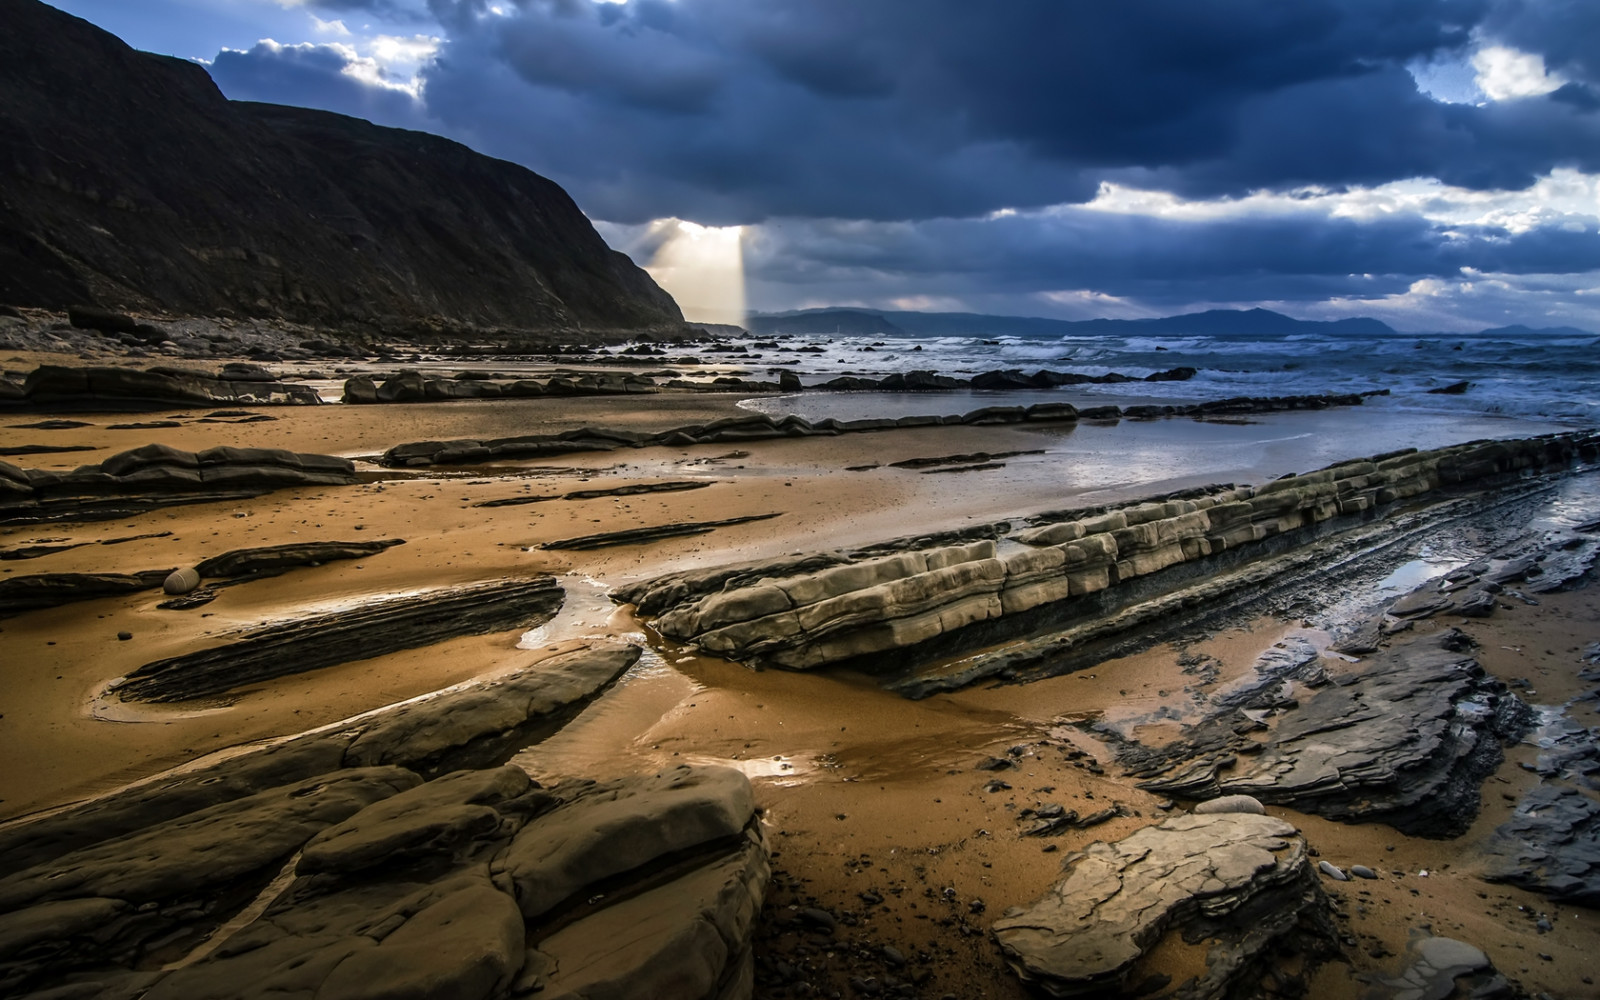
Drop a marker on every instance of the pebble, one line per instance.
(124, 636)
(1362, 871)
(819, 918)
(181, 581)
(1332, 871)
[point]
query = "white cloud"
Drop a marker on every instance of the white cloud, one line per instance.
(1505, 74)
(1564, 197)
(334, 27)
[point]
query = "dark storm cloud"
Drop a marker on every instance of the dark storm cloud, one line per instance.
(1280, 257)
(732, 110)
(736, 110)
(311, 76)
(938, 112)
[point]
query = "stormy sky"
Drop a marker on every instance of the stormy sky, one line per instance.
(1435, 163)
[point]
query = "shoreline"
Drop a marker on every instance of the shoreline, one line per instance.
(862, 791)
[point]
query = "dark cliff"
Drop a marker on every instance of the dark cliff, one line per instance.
(127, 180)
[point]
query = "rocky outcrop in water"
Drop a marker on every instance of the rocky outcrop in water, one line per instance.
(374, 627)
(156, 475)
(135, 184)
(835, 607)
(1241, 882)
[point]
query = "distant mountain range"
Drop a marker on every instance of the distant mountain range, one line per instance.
(1212, 322)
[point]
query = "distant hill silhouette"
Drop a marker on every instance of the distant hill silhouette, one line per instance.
(129, 181)
(848, 322)
(1212, 322)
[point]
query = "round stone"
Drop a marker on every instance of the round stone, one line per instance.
(1231, 804)
(181, 581)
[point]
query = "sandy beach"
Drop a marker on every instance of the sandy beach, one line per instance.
(865, 795)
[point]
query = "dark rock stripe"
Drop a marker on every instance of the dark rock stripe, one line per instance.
(373, 629)
(633, 536)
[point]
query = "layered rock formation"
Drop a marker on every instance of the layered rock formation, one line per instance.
(1418, 731)
(59, 387)
(834, 607)
(135, 184)
(761, 427)
(1550, 845)
(329, 866)
(1243, 881)
(375, 627)
(156, 476)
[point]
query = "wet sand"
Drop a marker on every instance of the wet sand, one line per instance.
(864, 792)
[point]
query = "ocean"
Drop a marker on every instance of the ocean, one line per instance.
(1538, 378)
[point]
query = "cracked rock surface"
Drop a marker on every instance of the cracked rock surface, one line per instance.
(1243, 877)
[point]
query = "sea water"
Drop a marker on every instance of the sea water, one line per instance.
(1540, 377)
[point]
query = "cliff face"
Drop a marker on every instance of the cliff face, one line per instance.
(127, 180)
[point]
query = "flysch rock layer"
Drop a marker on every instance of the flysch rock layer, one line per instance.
(829, 607)
(157, 475)
(1243, 879)
(1406, 742)
(754, 427)
(375, 627)
(1551, 845)
(472, 724)
(300, 870)
(62, 387)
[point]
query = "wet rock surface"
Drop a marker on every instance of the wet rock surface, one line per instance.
(922, 604)
(1407, 741)
(327, 865)
(1241, 880)
(273, 559)
(1551, 845)
(58, 387)
(374, 627)
(49, 590)
(652, 533)
(157, 475)
(756, 427)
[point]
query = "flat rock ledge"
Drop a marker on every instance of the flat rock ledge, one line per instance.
(411, 386)
(761, 427)
(374, 627)
(328, 866)
(1407, 742)
(825, 608)
(1241, 880)
(62, 387)
(373, 883)
(478, 723)
(1551, 845)
(156, 475)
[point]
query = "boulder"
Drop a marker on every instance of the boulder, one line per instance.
(619, 827)
(1118, 901)
(181, 581)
